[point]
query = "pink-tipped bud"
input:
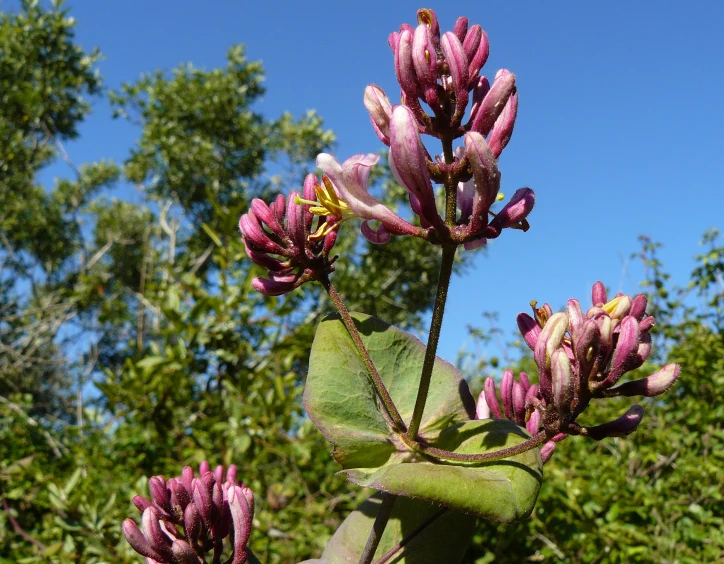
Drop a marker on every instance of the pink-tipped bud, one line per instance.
(491, 398)
(546, 452)
(529, 329)
(651, 386)
(486, 176)
(408, 163)
(506, 393)
(380, 110)
(493, 104)
(138, 542)
(503, 127)
(457, 64)
(598, 294)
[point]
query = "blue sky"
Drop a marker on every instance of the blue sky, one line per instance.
(619, 130)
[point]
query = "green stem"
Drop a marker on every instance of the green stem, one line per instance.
(378, 527)
(443, 283)
(390, 410)
(416, 531)
(531, 443)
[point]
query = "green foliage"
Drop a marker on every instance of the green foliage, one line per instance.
(132, 343)
(340, 398)
(444, 541)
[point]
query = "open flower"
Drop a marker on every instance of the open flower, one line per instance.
(281, 236)
(350, 182)
(187, 517)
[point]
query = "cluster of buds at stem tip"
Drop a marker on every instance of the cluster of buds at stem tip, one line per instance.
(580, 356)
(444, 72)
(283, 237)
(188, 517)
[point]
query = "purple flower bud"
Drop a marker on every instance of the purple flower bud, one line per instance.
(428, 18)
(404, 65)
(180, 496)
(624, 425)
(638, 306)
(202, 501)
(643, 351)
(241, 517)
(482, 411)
(514, 212)
(546, 452)
(231, 474)
(409, 165)
(493, 104)
(141, 503)
(155, 535)
(625, 353)
(529, 329)
(458, 65)
(192, 523)
(461, 28)
(480, 90)
(183, 553)
(524, 381)
(486, 176)
(159, 493)
(249, 497)
(651, 386)
(518, 403)
(219, 473)
(491, 398)
(426, 66)
(380, 109)
(647, 323)
(506, 393)
(598, 294)
(138, 542)
(477, 49)
(503, 127)
(273, 286)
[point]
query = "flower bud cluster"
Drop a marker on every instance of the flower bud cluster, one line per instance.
(580, 357)
(280, 237)
(187, 517)
(443, 71)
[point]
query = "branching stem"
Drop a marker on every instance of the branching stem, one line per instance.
(378, 527)
(390, 410)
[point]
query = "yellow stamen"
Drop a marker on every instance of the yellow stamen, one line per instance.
(328, 204)
(610, 307)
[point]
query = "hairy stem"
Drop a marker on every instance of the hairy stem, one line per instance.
(378, 527)
(440, 454)
(443, 283)
(390, 410)
(416, 531)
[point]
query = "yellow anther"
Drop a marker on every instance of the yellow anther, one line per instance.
(328, 204)
(610, 307)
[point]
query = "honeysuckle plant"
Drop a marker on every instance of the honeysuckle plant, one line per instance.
(401, 420)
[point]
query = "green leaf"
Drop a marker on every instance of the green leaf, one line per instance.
(340, 400)
(502, 490)
(446, 539)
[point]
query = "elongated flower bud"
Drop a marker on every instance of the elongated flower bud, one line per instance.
(493, 104)
(408, 164)
(205, 524)
(624, 425)
(380, 109)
